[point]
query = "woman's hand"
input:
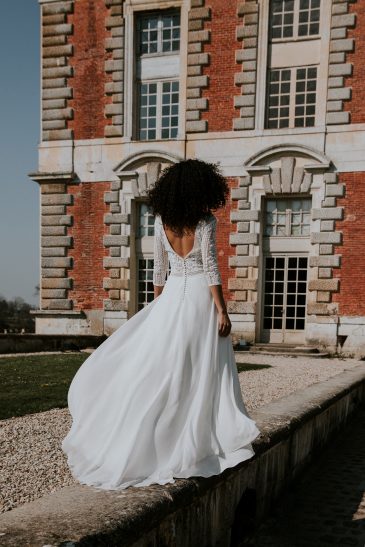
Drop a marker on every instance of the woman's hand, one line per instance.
(223, 319)
(157, 290)
(224, 323)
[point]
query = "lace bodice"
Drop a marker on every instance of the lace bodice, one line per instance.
(201, 258)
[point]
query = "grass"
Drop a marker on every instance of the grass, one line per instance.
(242, 367)
(36, 383)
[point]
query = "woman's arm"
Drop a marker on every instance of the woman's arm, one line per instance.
(157, 290)
(160, 261)
(211, 269)
(223, 318)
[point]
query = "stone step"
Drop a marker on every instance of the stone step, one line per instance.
(289, 353)
(281, 349)
(285, 347)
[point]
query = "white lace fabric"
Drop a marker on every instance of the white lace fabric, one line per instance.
(201, 258)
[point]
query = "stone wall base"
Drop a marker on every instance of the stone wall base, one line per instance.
(93, 322)
(343, 335)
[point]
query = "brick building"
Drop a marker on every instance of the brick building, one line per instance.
(273, 91)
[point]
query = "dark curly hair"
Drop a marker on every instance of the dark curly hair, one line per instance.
(186, 192)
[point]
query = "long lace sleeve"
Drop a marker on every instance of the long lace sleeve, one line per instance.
(209, 253)
(160, 257)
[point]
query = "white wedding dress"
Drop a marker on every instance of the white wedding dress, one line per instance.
(160, 397)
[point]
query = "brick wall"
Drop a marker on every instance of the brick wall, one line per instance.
(88, 211)
(356, 81)
(224, 249)
(351, 296)
(89, 78)
(222, 67)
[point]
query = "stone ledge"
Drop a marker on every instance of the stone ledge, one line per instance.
(52, 177)
(293, 430)
(31, 342)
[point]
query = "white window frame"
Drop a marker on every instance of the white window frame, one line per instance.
(292, 98)
(144, 248)
(263, 63)
(131, 9)
(159, 36)
(296, 36)
(159, 84)
(288, 218)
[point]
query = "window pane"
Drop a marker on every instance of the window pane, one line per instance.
(281, 18)
(147, 33)
(309, 16)
(158, 32)
(146, 221)
(171, 32)
(145, 285)
(170, 109)
(148, 111)
(305, 97)
(287, 217)
(279, 95)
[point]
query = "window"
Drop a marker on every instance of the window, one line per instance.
(159, 110)
(291, 97)
(305, 96)
(158, 35)
(279, 98)
(287, 217)
(309, 13)
(285, 292)
(145, 281)
(144, 250)
(294, 18)
(146, 221)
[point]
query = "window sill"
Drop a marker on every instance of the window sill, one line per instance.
(145, 141)
(295, 39)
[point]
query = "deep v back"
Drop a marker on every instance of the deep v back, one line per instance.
(171, 247)
(201, 258)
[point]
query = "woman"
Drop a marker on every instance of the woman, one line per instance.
(160, 398)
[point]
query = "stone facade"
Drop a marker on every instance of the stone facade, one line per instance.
(94, 170)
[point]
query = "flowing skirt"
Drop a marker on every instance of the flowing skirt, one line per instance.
(160, 397)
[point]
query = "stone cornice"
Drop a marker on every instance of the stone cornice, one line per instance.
(52, 1)
(50, 178)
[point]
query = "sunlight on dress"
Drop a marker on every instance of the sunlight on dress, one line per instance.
(160, 398)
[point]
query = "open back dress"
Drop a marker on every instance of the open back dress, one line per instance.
(160, 398)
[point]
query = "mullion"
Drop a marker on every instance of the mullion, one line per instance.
(288, 221)
(158, 109)
(296, 19)
(285, 294)
(269, 315)
(159, 34)
(168, 94)
(296, 294)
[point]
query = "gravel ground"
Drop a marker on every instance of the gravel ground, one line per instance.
(32, 463)
(287, 374)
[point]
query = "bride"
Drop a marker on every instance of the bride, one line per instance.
(160, 398)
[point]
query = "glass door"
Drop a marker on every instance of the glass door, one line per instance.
(285, 297)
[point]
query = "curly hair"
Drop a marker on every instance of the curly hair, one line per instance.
(186, 192)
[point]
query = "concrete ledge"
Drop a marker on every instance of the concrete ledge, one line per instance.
(30, 342)
(202, 511)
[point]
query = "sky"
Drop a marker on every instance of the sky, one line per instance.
(19, 139)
